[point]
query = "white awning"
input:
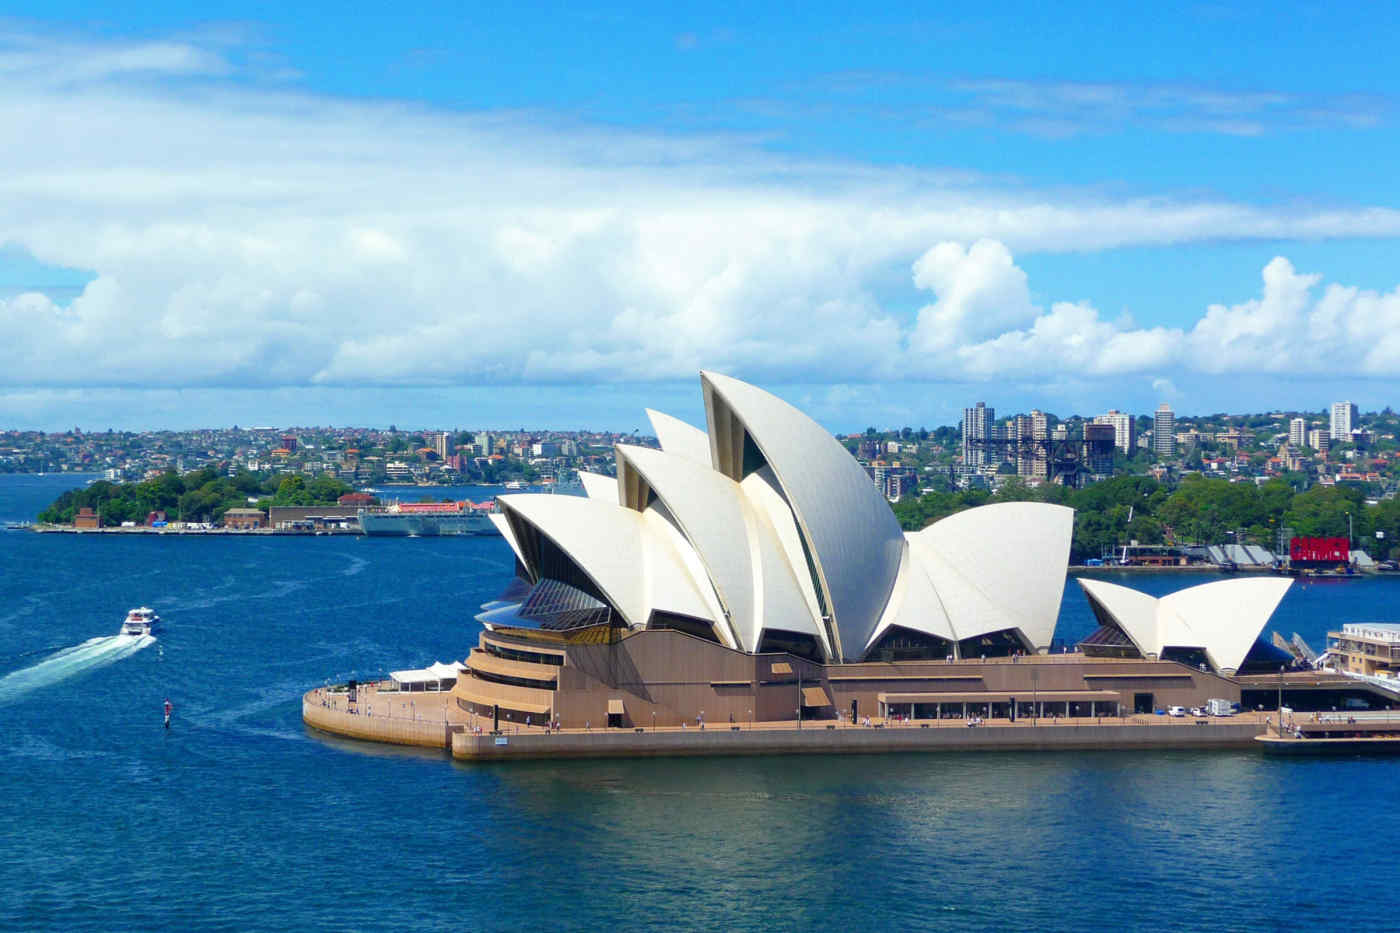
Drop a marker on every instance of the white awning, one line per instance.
(437, 673)
(413, 677)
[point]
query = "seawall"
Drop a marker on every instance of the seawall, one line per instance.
(818, 740)
(391, 731)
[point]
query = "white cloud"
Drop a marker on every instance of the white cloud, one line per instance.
(246, 236)
(1068, 108)
(1287, 330)
(981, 293)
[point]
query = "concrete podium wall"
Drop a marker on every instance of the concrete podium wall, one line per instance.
(818, 740)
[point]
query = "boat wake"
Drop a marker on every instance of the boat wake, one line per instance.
(70, 662)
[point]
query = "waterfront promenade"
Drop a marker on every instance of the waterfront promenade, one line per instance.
(433, 720)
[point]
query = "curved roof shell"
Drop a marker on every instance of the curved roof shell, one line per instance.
(768, 524)
(853, 539)
(598, 486)
(625, 555)
(1223, 618)
(914, 603)
(679, 438)
(503, 526)
(737, 546)
(998, 567)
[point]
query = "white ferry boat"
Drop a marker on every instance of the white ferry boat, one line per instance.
(140, 621)
(428, 519)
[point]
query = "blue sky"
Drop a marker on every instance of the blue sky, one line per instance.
(555, 214)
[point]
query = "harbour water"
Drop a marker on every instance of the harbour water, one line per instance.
(239, 818)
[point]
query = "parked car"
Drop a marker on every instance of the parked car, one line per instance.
(1177, 711)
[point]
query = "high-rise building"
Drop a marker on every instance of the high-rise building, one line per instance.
(1343, 420)
(437, 440)
(1319, 439)
(977, 426)
(483, 444)
(1101, 439)
(1297, 433)
(1164, 431)
(1040, 453)
(1124, 429)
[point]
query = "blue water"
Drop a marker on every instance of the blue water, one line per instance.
(238, 818)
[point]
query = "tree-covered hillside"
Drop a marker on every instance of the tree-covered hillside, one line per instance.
(201, 496)
(1197, 510)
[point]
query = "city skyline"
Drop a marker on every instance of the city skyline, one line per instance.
(875, 214)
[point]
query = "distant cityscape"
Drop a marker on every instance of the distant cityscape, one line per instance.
(358, 456)
(1335, 445)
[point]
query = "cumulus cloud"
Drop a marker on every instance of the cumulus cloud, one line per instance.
(246, 235)
(981, 293)
(1287, 329)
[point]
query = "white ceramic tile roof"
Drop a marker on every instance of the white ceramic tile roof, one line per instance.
(635, 565)
(598, 486)
(855, 541)
(737, 547)
(679, 438)
(1223, 618)
(1000, 566)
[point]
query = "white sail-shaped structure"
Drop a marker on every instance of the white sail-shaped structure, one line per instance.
(1219, 621)
(762, 533)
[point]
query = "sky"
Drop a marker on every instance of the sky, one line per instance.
(555, 215)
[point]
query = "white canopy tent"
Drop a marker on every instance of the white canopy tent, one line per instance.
(438, 676)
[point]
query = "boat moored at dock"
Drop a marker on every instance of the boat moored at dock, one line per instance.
(428, 519)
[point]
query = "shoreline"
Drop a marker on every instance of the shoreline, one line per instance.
(216, 532)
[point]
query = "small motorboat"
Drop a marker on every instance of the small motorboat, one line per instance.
(140, 621)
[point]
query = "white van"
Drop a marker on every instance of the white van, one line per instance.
(1177, 711)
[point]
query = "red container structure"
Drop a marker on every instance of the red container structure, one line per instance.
(1319, 552)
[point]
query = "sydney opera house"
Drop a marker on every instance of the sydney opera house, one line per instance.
(751, 571)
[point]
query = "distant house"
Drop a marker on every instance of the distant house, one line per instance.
(245, 519)
(86, 518)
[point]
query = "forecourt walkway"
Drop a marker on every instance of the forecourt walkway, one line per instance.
(432, 720)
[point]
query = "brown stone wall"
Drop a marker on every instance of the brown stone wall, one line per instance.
(676, 676)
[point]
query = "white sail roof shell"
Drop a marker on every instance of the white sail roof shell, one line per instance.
(999, 566)
(1133, 611)
(914, 603)
(679, 438)
(855, 542)
(1223, 618)
(598, 486)
(627, 556)
(503, 526)
(761, 491)
(735, 542)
